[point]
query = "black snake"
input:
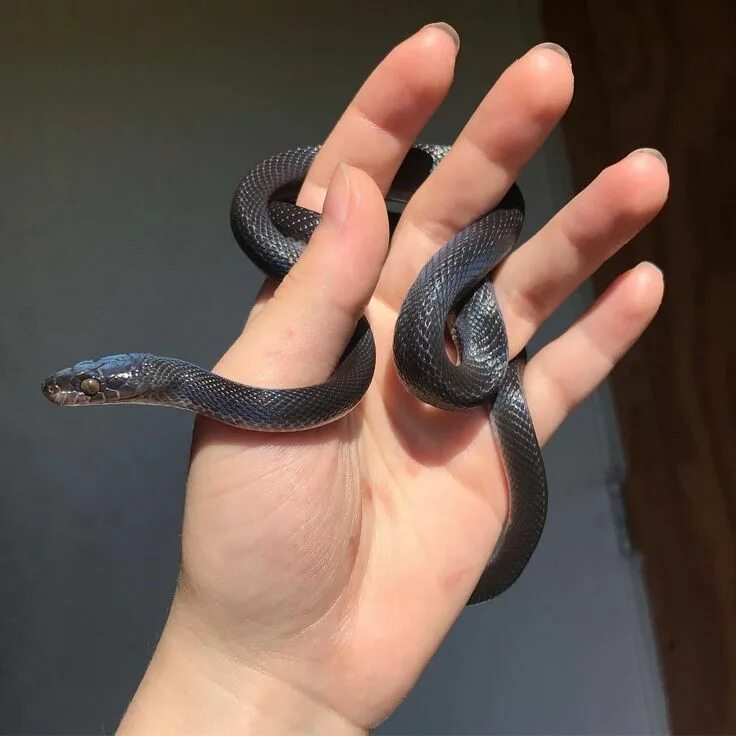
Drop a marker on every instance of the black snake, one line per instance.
(453, 291)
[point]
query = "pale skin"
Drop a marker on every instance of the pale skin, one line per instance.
(321, 570)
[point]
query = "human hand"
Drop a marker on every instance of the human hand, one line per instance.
(321, 570)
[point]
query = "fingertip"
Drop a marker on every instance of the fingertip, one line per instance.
(551, 46)
(653, 152)
(551, 63)
(647, 287)
(547, 82)
(650, 272)
(635, 296)
(638, 185)
(437, 35)
(646, 169)
(425, 64)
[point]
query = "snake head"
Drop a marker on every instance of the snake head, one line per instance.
(112, 379)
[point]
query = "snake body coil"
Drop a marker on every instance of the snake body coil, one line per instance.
(452, 289)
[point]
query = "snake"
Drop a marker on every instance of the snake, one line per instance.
(452, 298)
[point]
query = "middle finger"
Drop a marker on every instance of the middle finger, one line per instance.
(508, 127)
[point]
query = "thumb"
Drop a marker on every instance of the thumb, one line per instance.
(298, 335)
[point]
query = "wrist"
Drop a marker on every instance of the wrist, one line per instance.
(189, 688)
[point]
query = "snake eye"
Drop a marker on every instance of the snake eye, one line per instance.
(90, 386)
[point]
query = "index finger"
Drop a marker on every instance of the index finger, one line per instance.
(382, 121)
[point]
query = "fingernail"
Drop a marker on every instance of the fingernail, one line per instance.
(653, 265)
(653, 152)
(554, 47)
(337, 202)
(449, 30)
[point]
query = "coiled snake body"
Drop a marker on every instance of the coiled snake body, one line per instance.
(452, 290)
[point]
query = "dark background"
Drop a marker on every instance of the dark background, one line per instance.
(124, 130)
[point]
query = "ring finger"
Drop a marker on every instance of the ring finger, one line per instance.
(539, 276)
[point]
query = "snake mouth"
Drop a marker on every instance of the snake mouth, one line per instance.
(58, 395)
(51, 390)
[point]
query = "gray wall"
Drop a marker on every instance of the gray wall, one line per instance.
(123, 132)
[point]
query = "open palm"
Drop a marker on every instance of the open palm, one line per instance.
(332, 562)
